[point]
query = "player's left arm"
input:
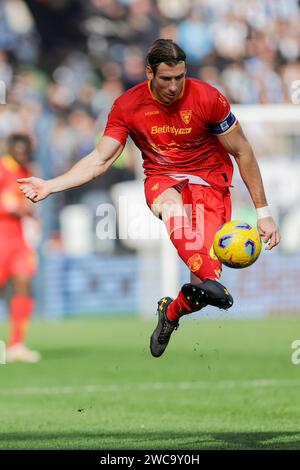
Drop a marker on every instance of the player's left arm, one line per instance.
(236, 143)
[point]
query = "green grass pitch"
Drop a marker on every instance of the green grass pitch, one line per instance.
(221, 384)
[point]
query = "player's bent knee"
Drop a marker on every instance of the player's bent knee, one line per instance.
(167, 209)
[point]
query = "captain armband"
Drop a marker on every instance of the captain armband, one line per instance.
(227, 125)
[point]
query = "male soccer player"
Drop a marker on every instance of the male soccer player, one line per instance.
(185, 130)
(17, 259)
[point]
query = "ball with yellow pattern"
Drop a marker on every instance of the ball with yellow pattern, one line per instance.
(237, 244)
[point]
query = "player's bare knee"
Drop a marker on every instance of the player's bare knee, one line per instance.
(171, 208)
(168, 204)
(168, 208)
(22, 285)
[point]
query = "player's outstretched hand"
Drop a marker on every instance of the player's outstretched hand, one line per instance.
(35, 189)
(269, 232)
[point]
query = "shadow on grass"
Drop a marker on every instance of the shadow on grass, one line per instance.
(151, 440)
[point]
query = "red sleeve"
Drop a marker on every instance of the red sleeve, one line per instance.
(218, 108)
(220, 119)
(116, 126)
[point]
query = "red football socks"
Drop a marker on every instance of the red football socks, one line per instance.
(189, 245)
(21, 307)
(179, 307)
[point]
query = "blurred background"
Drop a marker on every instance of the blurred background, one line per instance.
(64, 62)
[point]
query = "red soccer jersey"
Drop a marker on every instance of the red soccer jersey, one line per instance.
(11, 198)
(177, 138)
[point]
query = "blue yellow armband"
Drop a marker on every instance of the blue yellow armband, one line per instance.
(227, 125)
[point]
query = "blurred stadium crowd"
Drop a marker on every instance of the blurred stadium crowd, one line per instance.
(65, 61)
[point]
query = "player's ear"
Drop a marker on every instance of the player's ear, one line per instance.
(149, 72)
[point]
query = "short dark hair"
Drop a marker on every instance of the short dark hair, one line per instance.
(164, 50)
(13, 139)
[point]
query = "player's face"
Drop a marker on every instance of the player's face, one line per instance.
(167, 82)
(21, 152)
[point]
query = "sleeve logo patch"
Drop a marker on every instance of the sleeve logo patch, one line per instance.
(224, 125)
(222, 100)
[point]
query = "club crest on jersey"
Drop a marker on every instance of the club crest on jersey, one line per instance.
(186, 115)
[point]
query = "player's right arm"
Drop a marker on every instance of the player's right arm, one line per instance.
(88, 168)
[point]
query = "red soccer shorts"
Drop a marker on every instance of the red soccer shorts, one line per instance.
(16, 258)
(208, 208)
